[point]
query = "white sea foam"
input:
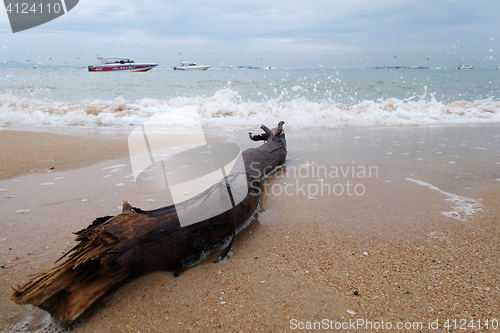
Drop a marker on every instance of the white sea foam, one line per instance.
(464, 207)
(40, 323)
(225, 109)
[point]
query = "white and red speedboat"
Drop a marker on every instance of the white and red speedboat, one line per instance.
(120, 64)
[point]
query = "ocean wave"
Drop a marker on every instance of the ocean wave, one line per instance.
(225, 109)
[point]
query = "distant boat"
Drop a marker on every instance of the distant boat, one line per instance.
(119, 64)
(465, 67)
(249, 67)
(190, 66)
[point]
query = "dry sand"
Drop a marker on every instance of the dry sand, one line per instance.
(306, 254)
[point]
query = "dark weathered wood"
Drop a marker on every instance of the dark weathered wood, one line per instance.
(116, 249)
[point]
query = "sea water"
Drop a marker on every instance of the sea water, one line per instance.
(243, 99)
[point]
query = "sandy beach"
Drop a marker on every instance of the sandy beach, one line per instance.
(26, 152)
(364, 228)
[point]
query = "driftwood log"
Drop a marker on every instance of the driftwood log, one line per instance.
(114, 250)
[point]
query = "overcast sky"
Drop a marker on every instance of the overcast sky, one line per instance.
(279, 33)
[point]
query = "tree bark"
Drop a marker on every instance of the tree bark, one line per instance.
(114, 250)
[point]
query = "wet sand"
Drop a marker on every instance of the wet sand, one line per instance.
(381, 246)
(26, 152)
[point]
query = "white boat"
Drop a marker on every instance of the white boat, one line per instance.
(190, 66)
(120, 64)
(465, 67)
